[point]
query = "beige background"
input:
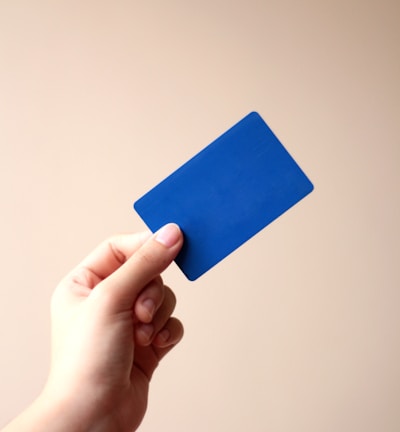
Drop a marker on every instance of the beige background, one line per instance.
(298, 330)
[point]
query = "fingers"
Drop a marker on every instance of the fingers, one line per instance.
(149, 300)
(124, 285)
(169, 336)
(147, 358)
(146, 331)
(153, 310)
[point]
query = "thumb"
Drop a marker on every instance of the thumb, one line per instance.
(123, 286)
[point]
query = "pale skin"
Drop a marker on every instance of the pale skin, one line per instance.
(111, 325)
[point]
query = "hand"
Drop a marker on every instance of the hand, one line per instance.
(111, 325)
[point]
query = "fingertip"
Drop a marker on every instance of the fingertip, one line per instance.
(150, 300)
(148, 309)
(144, 334)
(145, 264)
(169, 235)
(163, 338)
(170, 335)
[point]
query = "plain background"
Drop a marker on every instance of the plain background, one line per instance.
(298, 330)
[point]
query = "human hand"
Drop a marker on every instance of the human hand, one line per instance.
(111, 325)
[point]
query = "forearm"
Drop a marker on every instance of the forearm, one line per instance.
(53, 416)
(41, 416)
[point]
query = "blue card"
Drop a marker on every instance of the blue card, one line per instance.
(226, 194)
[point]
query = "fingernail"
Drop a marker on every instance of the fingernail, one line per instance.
(150, 307)
(164, 336)
(168, 235)
(147, 330)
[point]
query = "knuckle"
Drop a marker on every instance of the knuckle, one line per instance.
(151, 260)
(154, 289)
(146, 258)
(170, 295)
(157, 283)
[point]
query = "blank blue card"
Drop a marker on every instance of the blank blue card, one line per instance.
(226, 194)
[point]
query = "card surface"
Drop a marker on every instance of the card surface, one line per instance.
(226, 194)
